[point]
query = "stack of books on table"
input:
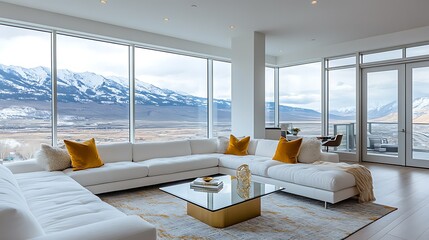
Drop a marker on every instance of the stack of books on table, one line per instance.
(215, 185)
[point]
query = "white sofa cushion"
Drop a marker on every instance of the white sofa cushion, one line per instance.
(162, 166)
(16, 219)
(115, 152)
(109, 172)
(203, 146)
(145, 151)
(322, 177)
(123, 228)
(59, 203)
(266, 148)
(310, 151)
(222, 144)
(251, 150)
(24, 166)
(329, 157)
(258, 165)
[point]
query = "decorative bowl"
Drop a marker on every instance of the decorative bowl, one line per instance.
(207, 179)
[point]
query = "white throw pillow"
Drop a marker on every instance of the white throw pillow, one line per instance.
(222, 144)
(53, 159)
(310, 151)
(16, 219)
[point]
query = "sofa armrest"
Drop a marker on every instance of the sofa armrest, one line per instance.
(123, 228)
(330, 157)
(25, 166)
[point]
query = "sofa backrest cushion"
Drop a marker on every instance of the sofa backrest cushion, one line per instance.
(251, 150)
(222, 144)
(310, 151)
(145, 151)
(16, 219)
(116, 152)
(266, 147)
(202, 146)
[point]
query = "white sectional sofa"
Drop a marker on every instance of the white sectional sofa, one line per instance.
(135, 165)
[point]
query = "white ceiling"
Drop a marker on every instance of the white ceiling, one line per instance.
(289, 25)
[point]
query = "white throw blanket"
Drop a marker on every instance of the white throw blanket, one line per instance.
(362, 176)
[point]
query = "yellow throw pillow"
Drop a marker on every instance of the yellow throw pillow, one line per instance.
(83, 155)
(287, 151)
(238, 147)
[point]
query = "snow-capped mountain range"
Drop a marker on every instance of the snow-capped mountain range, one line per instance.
(19, 83)
(389, 112)
(27, 92)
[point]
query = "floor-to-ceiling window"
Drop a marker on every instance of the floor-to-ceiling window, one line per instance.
(25, 91)
(300, 97)
(341, 91)
(170, 96)
(93, 90)
(221, 98)
(269, 97)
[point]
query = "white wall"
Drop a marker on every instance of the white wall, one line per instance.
(372, 43)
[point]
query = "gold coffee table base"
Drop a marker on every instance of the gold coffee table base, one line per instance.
(227, 216)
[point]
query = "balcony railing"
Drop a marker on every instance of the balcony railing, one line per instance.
(382, 136)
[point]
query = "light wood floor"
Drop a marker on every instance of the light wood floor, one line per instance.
(407, 189)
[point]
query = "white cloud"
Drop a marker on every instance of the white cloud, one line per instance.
(300, 86)
(172, 71)
(25, 48)
(221, 80)
(342, 89)
(382, 88)
(82, 55)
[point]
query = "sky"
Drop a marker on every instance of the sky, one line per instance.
(342, 89)
(29, 48)
(25, 50)
(299, 86)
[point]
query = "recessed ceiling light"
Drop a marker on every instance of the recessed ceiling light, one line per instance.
(314, 2)
(194, 5)
(166, 19)
(232, 27)
(103, 1)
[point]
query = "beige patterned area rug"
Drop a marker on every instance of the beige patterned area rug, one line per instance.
(284, 216)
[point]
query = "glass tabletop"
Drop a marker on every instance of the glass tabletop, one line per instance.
(230, 194)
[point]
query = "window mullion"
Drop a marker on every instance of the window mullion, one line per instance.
(132, 102)
(210, 109)
(54, 106)
(276, 98)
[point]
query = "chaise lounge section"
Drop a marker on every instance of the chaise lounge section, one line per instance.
(50, 206)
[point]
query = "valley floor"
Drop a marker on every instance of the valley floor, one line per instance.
(407, 189)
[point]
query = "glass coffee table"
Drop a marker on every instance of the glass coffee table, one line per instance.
(231, 205)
